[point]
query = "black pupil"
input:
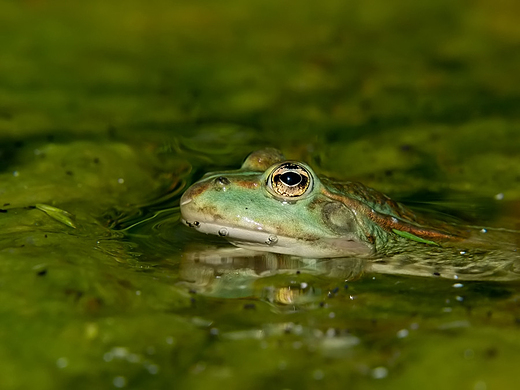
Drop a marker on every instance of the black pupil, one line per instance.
(291, 178)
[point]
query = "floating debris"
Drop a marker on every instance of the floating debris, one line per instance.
(57, 214)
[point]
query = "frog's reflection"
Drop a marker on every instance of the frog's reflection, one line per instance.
(233, 272)
(236, 272)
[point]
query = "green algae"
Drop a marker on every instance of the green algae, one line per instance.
(109, 109)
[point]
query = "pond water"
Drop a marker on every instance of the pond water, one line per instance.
(108, 112)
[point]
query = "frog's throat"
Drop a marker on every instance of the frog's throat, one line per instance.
(268, 242)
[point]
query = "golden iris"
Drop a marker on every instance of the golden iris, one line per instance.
(290, 180)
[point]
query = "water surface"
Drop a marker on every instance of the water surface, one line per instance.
(109, 111)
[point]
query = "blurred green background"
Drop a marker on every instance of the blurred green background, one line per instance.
(108, 109)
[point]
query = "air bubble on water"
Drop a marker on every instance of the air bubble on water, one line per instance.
(379, 372)
(119, 381)
(318, 375)
(152, 368)
(119, 352)
(133, 358)
(480, 385)
(62, 362)
(199, 367)
(297, 329)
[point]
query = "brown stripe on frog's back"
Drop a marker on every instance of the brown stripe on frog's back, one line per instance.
(442, 232)
(371, 198)
(410, 224)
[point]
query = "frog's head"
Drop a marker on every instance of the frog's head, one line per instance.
(275, 205)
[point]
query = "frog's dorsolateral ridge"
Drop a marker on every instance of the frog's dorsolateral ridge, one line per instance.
(274, 205)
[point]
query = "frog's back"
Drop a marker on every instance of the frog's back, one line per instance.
(392, 215)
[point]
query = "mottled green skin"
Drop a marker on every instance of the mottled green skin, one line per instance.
(331, 220)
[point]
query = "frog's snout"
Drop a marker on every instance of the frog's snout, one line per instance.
(192, 213)
(185, 201)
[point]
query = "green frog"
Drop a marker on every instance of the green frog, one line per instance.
(277, 205)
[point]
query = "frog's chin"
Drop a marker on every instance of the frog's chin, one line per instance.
(260, 240)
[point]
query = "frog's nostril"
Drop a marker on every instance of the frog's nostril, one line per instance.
(221, 180)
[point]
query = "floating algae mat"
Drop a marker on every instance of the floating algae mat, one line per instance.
(108, 112)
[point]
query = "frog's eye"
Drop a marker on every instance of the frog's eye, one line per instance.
(290, 180)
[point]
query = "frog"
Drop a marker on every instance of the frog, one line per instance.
(272, 204)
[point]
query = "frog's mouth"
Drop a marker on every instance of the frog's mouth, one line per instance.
(255, 237)
(268, 242)
(234, 234)
(193, 218)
